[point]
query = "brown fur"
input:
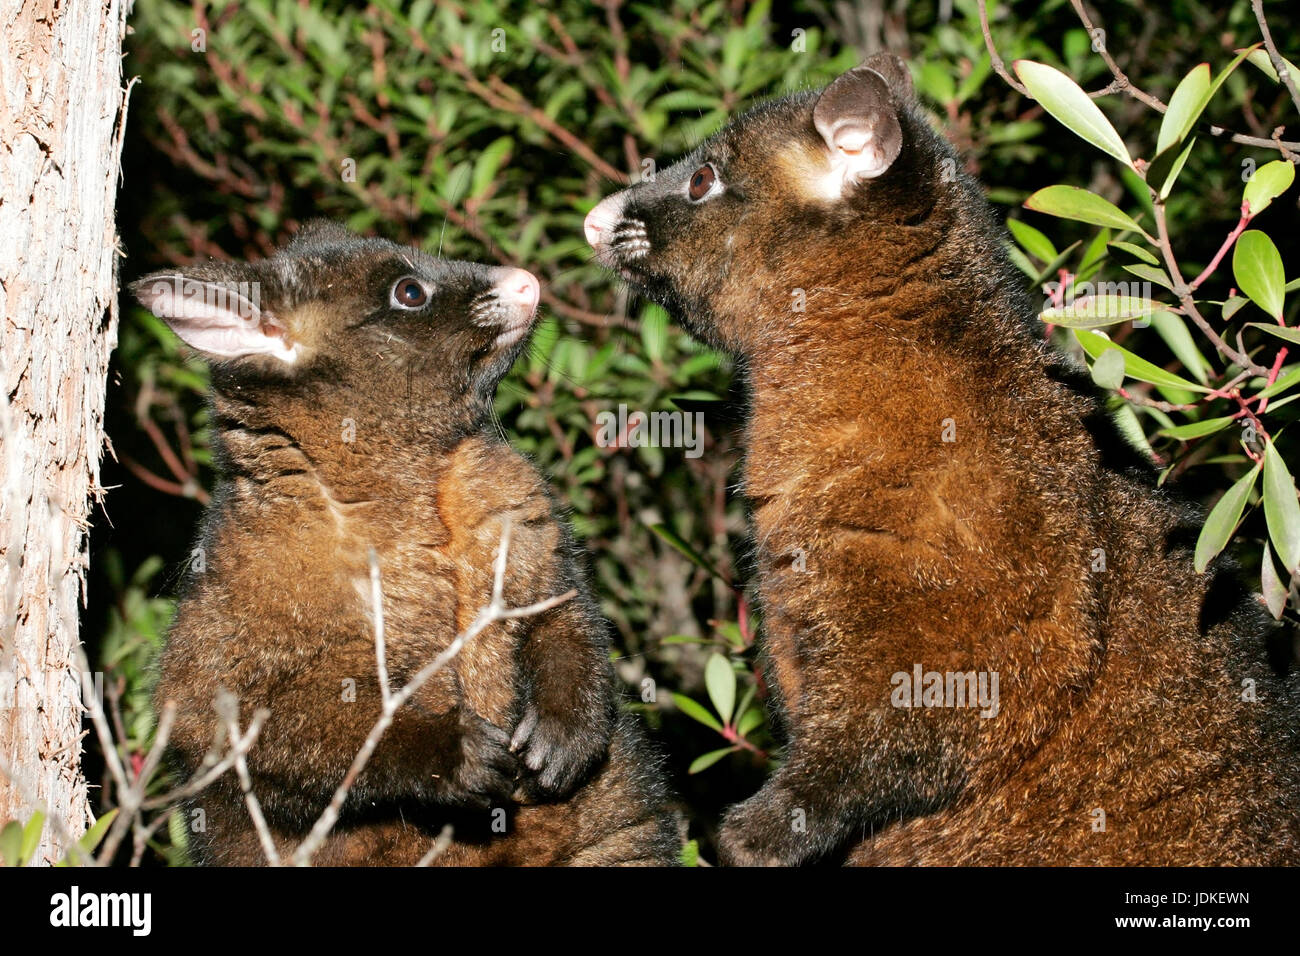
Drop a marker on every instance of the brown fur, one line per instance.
(280, 613)
(1121, 690)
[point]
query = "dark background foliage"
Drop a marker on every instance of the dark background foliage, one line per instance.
(486, 131)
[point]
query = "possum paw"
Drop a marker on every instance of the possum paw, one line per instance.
(765, 830)
(487, 771)
(557, 750)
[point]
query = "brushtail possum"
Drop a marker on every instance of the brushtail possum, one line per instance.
(352, 382)
(993, 647)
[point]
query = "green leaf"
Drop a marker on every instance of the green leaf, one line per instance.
(1098, 311)
(1171, 327)
(691, 853)
(720, 680)
(1274, 591)
(1262, 60)
(1033, 241)
(1281, 331)
(1223, 519)
(654, 332)
(1198, 429)
(1136, 251)
(1150, 274)
(705, 761)
(1071, 202)
(1281, 509)
(1257, 267)
(1095, 343)
(1188, 100)
(1270, 181)
(31, 837)
(11, 843)
(489, 162)
(1063, 98)
(1281, 383)
(1108, 369)
(696, 711)
(679, 544)
(749, 721)
(1176, 162)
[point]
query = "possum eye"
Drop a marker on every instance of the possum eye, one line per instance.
(702, 183)
(409, 293)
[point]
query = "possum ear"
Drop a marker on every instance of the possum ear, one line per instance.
(895, 72)
(857, 116)
(222, 319)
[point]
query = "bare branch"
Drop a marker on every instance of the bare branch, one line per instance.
(1279, 64)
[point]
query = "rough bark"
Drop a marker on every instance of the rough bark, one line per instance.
(62, 109)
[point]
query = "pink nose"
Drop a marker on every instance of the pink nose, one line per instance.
(592, 227)
(600, 222)
(519, 287)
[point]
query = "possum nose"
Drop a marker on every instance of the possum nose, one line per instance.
(599, 223)
(520, 288)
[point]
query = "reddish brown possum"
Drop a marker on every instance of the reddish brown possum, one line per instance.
(351, 389)
(994, 647)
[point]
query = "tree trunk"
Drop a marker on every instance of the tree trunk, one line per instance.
(62, 108)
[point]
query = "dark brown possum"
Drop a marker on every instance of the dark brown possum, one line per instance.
(351, 388)
(981, 614)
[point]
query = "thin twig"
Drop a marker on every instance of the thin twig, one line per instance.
(1279, 64)
(228, 708)
(439, 846)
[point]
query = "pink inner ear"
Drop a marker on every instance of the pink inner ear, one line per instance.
(852, 139)
(217, 320)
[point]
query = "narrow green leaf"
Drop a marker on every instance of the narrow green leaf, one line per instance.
(720, 680)
(1176, 164)
(1257, 267)
(1136, 251)
(749, 721)
(1281, 509)
(1281, 383)
(1185, 105)
(1262, 60)
(1281, 331)
(31, 837)
(1150, 274)
(1064, 99)
(1098, 311)
(1222, 520)
(696, 711)
(1071, 202)
(488, 164)
(11, 843)
(1173, 329)
(679, 544)
(1032, 241)
(654, 332)
(705, 761)
(1198, 429)
(1274, 591)
(1095, 343)
(1270, 181)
